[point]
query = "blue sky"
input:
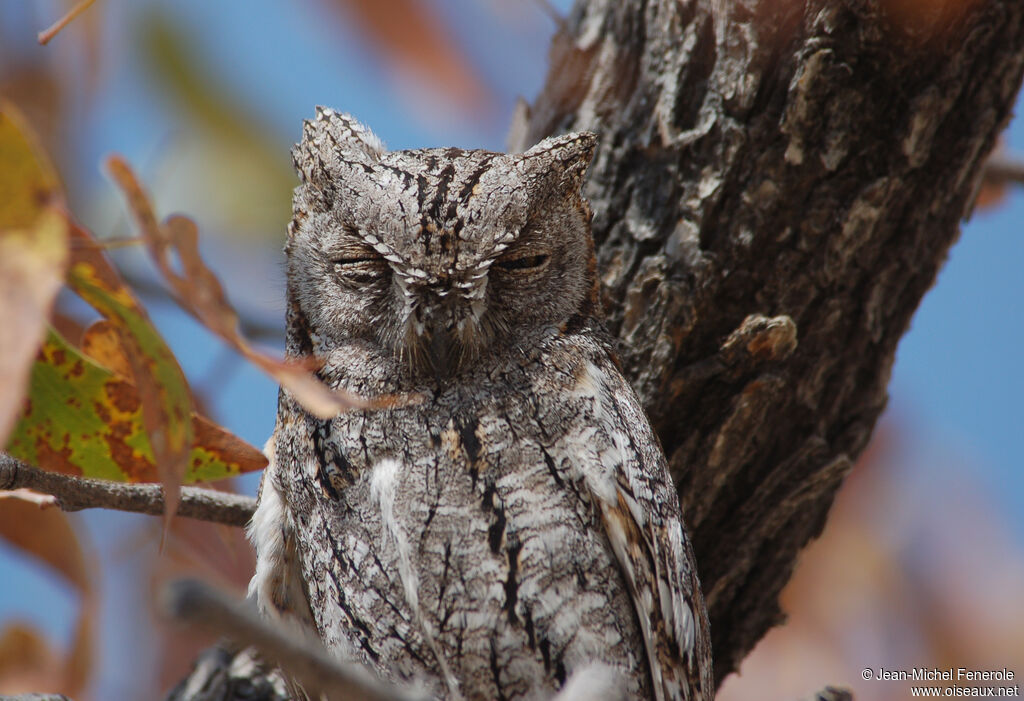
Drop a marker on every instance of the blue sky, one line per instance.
(957, 383)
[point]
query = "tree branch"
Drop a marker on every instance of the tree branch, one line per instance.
(308, 663)
(1004, 168)
(250, 325)
(77, 493)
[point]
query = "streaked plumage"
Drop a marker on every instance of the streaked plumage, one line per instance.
(513, 524)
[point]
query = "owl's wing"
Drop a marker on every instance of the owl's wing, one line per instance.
(639, 510)
(651, 557)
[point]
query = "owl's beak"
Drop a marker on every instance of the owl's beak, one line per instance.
(443, 332)
(441, 351)
(448, 340)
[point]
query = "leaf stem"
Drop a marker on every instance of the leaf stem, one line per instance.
(50, 32)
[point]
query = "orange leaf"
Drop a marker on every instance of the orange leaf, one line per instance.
(102, 342)
(409, 33)
(78, 663)
(26, 661)
(47, 535)
(67, 326)
(28, 664)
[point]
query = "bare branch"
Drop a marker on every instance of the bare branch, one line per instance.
(77, 493)
(249, 324)
(307, 662)
(1004, 168)
(50, 32)
(788, 177)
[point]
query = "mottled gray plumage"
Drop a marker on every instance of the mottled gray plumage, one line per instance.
(510, 522)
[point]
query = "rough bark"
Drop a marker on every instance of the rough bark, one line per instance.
(776, 187)
(777, 184)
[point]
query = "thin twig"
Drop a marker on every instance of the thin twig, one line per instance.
(50, 32)
(304, 660)
(1002, 167)
(548, 9)
(249, 325)
(77, 493)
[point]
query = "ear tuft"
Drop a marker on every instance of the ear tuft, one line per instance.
(566, 156)
(332, 140)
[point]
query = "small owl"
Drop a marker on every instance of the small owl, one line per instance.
(508, 529)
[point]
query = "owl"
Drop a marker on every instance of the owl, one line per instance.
(506, 528)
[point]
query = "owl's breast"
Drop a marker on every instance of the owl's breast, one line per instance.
(465, 547)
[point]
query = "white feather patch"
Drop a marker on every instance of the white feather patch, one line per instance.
(383, 485)
(266, 533)
(595, 682)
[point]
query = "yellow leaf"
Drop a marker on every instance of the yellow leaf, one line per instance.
(33, 255)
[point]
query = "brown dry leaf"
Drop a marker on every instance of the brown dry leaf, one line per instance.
(46, 534)
(67, 326)
(991, 193)
(925, 20)
(218, 453)
(213, 552)
(41, 98)
(409, 32)
(33, 255)
(1002, 168)
(200, 293)
(27, 663)
(79, 660)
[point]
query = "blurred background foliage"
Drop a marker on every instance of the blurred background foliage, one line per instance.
(921, 563)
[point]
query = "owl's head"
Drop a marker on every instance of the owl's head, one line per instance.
(435, 255)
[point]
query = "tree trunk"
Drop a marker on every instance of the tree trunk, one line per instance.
(776, 187)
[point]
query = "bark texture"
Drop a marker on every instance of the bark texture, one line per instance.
(776, 186)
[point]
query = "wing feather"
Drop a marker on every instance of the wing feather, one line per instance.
(646, 534)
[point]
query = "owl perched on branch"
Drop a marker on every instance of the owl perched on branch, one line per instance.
(509, 529)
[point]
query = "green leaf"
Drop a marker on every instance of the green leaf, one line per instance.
(159, 381)
(81, 418)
